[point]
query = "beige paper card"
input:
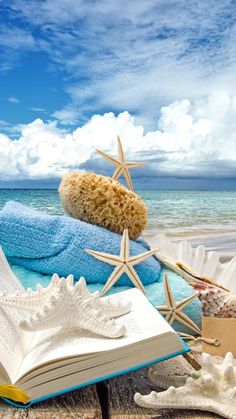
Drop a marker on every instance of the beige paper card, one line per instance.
(221, 329)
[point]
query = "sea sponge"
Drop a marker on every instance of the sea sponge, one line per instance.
(103, 201)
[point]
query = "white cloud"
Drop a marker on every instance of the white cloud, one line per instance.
(195, 139)
(137, 58)
(16, 38)
(66, 116)
(14, 42)
(3, 123)
(13, 99)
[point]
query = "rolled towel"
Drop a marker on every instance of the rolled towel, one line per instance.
(48, 244)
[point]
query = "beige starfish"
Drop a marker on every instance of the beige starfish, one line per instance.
(122, 166)
(124, 263)
(173, 310)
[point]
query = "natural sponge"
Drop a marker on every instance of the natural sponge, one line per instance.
(103, 201)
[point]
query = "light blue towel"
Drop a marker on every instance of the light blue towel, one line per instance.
(34, 241)
(48, 244)
(155, 292)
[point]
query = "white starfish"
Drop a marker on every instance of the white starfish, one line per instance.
(30, 300)
(124, 263)
(110, 308)
(122, 166)
(213, 390)
(71, 307)
(174, 310)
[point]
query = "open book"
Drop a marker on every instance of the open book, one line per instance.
(46, 363)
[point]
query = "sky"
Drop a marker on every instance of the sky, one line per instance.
(74, 74)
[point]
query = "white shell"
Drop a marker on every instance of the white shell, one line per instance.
(213, 391)
(204, 263)
(216, 302)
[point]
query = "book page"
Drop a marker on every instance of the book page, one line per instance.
(143, 322)
(13, 341)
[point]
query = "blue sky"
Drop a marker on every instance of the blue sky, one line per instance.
(74, 74)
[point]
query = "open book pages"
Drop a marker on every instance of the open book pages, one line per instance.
(13, 341)
(55, 360)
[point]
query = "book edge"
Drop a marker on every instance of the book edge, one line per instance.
(171, 355)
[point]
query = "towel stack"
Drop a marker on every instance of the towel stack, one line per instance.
(48, 244)
(37, 243)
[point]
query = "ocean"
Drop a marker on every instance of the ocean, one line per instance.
(173, 212)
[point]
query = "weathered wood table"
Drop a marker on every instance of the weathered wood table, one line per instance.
(111, 399)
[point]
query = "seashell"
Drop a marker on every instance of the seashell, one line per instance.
(195, 265)
(211, 298)
(216, 302)
(214, 390)
(103, 201)
(227, 307)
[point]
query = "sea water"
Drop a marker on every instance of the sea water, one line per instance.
(172, 212)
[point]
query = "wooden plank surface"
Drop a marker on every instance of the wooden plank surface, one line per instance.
(8, 412)
(118, 400)
(112, 399)
(79, 404)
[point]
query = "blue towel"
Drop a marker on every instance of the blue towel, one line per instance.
(155, 292)
(48, 244)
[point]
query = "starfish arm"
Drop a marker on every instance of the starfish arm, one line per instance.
(168, 293)
(186, 301)
(46, 317)
(132, 164)
(108, 157)
(134, 260)
(128, 178)
(117, 173)
(89, 319)
(134, 278)
(120, 150)
(163, 309)
(170, 317)
(31, 300)
(186, 321)
(116, 274)
(124, 246)
(112, 309)
(104, 257)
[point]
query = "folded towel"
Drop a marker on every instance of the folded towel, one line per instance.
(155, 292)
(48, 244)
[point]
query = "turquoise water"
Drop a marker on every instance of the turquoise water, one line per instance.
(169, 211)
